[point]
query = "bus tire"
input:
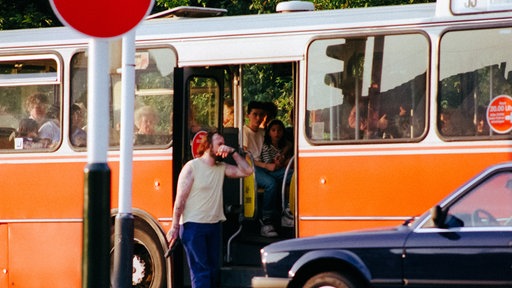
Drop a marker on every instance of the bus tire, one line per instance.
(149, 268)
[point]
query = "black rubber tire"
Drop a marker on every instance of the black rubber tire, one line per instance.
(329, 279)
(147, 250)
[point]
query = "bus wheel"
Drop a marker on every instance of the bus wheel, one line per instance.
(148, 257)
(329, 279)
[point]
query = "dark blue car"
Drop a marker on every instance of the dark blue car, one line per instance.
(465, 241)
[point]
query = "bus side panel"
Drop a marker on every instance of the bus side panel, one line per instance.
(42, 190)
(56, 190)
(152, 190)
(4, 256)
(33, 264)
(44, 203)
(355, 192)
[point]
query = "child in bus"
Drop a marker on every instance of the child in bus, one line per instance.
(276, 153)
(78, 135)
(253, 138)
(27, 131)
(276, 150)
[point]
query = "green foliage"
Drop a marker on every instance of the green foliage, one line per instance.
(340, 4)
(244, 7)
(202, 97)
(234, 7)
(21, 14)
(269, 83)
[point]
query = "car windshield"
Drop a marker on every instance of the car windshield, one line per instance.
(486, 205)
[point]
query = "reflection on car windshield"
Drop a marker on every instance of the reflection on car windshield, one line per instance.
(486, 205)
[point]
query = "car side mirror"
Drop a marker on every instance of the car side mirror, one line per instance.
(438, 216)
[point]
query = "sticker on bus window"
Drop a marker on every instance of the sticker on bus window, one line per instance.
(18, 143)
(196, 141)
(499, 114)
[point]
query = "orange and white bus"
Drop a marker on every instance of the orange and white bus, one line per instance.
(391, 108)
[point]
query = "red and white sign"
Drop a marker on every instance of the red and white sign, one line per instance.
(102, 18)
(196, 141)
(499, 114)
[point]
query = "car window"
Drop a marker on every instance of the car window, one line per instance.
(488, 204)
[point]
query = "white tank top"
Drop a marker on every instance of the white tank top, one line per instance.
(205, 203)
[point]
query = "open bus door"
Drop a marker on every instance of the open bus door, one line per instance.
(199, 95)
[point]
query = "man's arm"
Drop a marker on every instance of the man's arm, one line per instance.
(242, 168)
(185, 181)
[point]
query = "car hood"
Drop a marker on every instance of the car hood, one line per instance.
(382, 237)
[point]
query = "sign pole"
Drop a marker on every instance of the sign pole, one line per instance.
(123, 249)
(97, 177)
(105, 20)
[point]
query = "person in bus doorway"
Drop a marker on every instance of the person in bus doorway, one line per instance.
(36, 106)
(198, 209)
(276, 153)
(253, 138)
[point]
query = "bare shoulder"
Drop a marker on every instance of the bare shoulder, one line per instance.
(187, 169)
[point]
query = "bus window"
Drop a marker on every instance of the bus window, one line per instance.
(367, 88)
(203, 103)
(472, 72)
(153, 97)
(270, 83)
(29, 94)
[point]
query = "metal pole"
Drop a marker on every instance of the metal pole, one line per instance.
(96, 228)
(123, 249)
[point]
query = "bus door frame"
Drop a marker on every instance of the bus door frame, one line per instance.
(182, 138)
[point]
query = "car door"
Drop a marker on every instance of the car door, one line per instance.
(474, 248)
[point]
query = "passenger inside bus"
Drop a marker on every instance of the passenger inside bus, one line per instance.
(254, 138)
(482, 128)
(368, 120)
(270, 113)
(145, 120)
(78, 135)
(27, 133)
(276, 153)
(36, 106)
(51, 128)
(228, 113)
(452, 122)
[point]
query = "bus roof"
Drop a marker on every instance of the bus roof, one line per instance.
(239, 25)
(250, 29)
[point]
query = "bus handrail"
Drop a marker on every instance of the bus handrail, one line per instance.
(283, 187)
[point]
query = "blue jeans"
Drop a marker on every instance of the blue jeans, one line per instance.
(271, 182)
(202, 243)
